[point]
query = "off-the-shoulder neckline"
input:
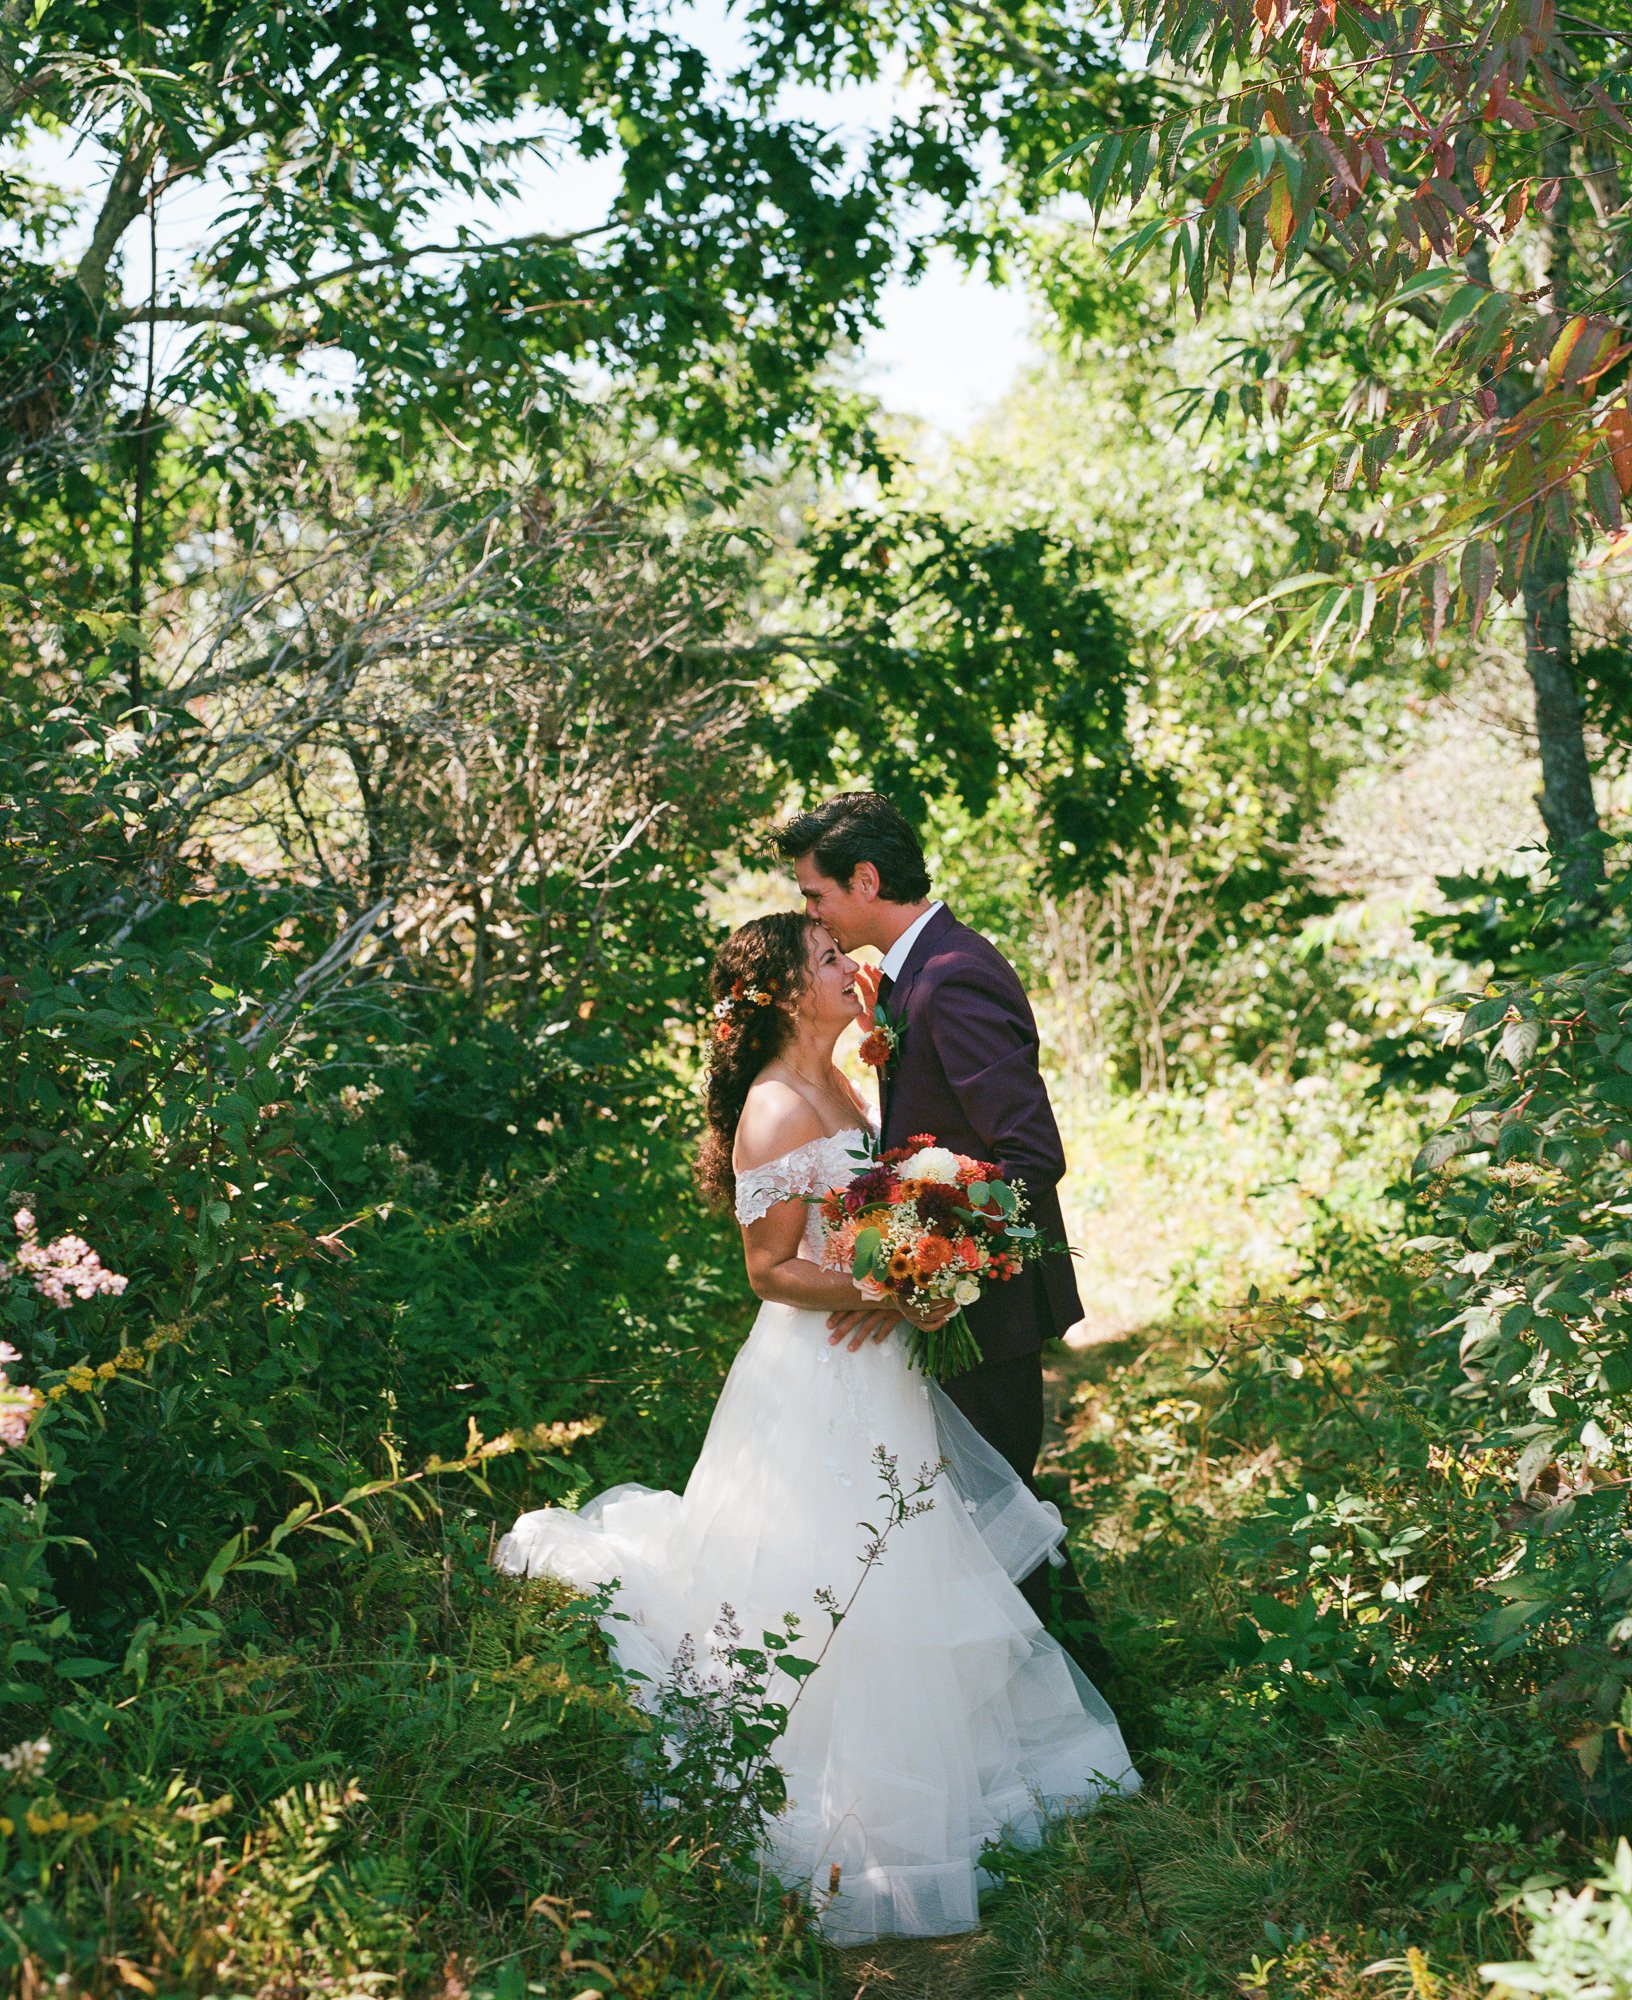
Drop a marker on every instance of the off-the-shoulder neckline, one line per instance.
(866, 1132)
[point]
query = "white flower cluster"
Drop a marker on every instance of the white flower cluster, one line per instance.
(354, 1100)
(750, 996)
(930, 1163)
(26, 1761)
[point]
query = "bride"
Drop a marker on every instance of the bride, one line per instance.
(942, 1714)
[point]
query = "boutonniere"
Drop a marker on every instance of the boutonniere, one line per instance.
(882, 1041)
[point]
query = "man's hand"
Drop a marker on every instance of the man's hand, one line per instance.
(864, 1323)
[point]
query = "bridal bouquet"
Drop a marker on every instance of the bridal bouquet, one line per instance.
(922, 1225)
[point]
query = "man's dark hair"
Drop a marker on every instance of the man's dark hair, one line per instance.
(859, 826)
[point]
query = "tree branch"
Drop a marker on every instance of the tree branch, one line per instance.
(123, 202)
(250, 310)
(1335, 267)
(16, 88)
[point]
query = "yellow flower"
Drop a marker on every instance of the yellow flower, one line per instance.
(107, 1370)
(6, 1826)
(56, 1392)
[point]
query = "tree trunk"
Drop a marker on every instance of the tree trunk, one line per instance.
(1568, 809)
(1567, 805)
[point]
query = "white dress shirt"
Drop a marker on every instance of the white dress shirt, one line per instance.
(895, 959)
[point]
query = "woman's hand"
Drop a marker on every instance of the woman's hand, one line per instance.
(867, 978)
(929, 1318)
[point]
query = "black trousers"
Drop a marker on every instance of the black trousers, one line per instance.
(1004, 1402)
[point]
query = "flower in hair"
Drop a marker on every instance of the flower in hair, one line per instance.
(741, 995)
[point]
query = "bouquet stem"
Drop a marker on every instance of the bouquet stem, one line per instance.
(950, 1350)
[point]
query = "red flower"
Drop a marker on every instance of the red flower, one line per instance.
(875, 1049)
(921, 1139)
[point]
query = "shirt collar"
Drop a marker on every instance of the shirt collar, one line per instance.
(895, 959)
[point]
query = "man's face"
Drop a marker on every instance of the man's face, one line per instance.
(847, 913)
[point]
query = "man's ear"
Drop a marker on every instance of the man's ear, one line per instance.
(864, 881)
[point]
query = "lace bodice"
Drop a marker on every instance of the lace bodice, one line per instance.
(809, 1169)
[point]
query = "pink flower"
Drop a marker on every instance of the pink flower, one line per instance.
(17, 1403)
(67, 1267)
(839, 1251)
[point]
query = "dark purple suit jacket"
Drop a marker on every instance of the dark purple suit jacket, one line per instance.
(966, 1070)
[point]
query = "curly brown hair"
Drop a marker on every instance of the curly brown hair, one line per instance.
(761, 964)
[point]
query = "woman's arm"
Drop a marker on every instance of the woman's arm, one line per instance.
(779, 1271)
(775, 1120)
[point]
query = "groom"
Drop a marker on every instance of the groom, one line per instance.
(965, 1068)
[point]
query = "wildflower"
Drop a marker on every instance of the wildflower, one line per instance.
(355, 1099)
(17, 1405)
(25, 1761)
(900, 1267)
(66, 1267)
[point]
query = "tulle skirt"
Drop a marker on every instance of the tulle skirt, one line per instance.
(942, 1714)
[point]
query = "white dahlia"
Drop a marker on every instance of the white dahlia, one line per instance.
(930, 1163)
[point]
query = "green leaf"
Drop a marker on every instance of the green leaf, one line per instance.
(1099, 175)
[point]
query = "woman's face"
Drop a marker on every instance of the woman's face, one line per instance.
(830, 998)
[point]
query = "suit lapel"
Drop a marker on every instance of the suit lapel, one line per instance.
(922, 945)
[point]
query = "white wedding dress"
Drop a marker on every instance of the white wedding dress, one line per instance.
(942, 1715)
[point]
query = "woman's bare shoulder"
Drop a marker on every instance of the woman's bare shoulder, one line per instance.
(775, 1119)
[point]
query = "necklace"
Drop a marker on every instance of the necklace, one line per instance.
(848, 1103)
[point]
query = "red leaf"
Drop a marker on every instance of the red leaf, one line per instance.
(1279, 219)
(1618, 430)
(1477, 575)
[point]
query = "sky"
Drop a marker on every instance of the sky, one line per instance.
(945, 351)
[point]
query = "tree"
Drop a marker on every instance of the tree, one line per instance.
(1457, 168)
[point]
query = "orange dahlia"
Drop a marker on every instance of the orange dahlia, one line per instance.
(934, 1254)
